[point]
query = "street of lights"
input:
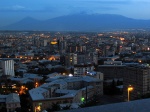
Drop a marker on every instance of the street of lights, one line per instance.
(130, 88)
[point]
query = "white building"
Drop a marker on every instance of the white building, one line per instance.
(45, 42)
(111, 62)
(68, 90)
(82, 69)
(7, 67)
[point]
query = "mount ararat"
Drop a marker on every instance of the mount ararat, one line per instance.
(79, 22)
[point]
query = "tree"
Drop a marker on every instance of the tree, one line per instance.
(89, 103)
(43, 80)
(24, 98)
(111, 89)
(67, 107)
(18, 109)
(55, 107)
(29, 85)
(3, 109)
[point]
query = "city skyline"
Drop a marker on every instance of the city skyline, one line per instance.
(13, 11)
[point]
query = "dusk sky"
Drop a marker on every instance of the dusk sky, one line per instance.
(14, 10)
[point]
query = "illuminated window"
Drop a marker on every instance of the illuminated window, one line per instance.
(40, 103)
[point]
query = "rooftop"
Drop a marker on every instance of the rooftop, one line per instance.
(13, 98)
(132, 106)
(37, 93)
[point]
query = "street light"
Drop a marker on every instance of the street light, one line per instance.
(130, 88)
(37, 109)
(36, 84)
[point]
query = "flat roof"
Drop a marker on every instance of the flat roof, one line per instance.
(132, 106)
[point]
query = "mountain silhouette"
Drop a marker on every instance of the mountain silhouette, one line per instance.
(80, 22)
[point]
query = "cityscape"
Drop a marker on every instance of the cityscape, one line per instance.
(67, 70)
(77, 56)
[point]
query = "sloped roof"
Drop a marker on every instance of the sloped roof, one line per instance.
(13, 98)
(37, 93)
(3, 98)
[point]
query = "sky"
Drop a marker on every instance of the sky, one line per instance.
(14, 10)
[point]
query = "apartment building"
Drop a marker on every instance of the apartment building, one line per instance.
(7, 66)
(112, 71)
(71, 59)
(82, 69)
(67, 90)
(10, 102)
(137, 76)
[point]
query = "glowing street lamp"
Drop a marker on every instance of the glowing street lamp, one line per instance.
(37, 109)
(36, 84)
(130, 88)
(140, 61)
(82, 99)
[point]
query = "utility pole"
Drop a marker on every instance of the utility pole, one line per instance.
(86, 95)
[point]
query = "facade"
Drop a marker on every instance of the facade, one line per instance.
(43, 104)
(84, 57)
(7, 67)
(10, 102)
(138, 77)
(1, 71)
(76, 48)
(94, 57)
(80, 57)
(110, 62)
(62, 46)
(71, 59)
(82, 69)
(97, 75)
(45, 42)
(112, 71)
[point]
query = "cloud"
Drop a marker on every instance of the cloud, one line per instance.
(109, 2)
(91, 10)
(17, 7)
(14, 8)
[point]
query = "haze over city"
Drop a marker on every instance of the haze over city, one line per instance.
(13, 11)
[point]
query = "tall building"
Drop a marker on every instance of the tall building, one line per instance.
(76, 48)
(112, 71)
(94, 57)
(91, 57)
(138, 76)
(62, 46)
(7, 66)
(81, 58)
(45, 42)
(71, 59)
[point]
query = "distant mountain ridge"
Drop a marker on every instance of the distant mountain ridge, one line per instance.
(79, 22)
